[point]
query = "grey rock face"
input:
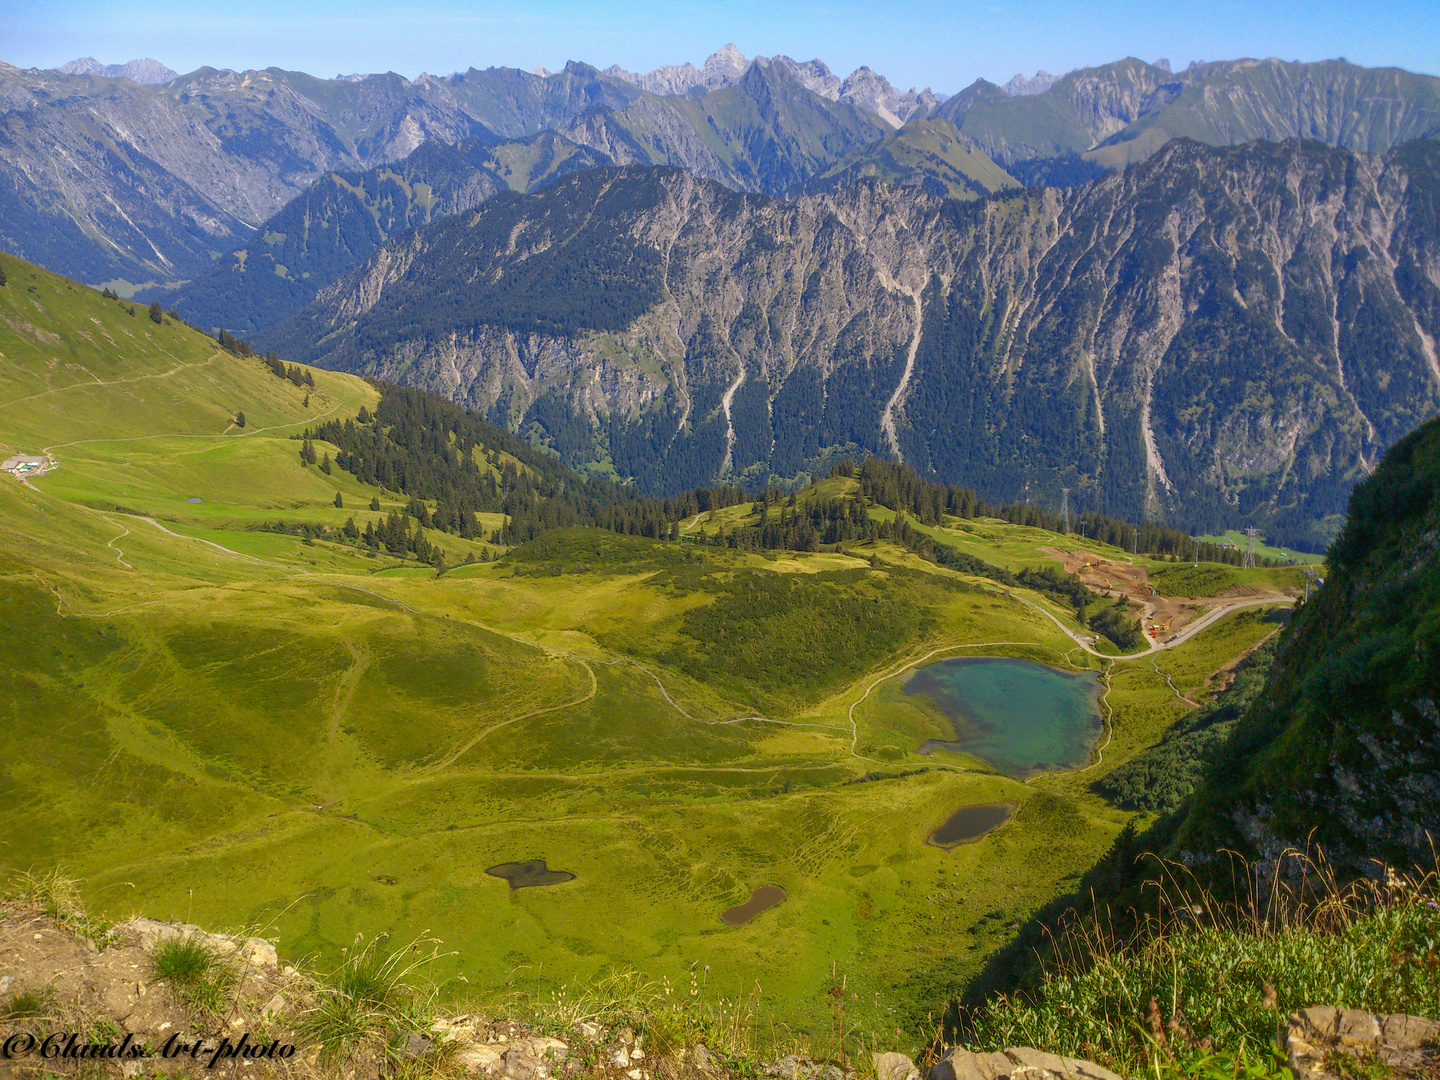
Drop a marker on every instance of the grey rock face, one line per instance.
(723, 68)
(106, 178)
(1100, 338)
(1405, 1045)
(1020, 86)
(146, 71)
(1106, 117)
(893, 1066)
(864, 88)
(1017, 1063)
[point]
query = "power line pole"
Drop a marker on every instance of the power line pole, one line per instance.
(1248, 562)
(1197, 553)
(1065, 507)
(1135, 542)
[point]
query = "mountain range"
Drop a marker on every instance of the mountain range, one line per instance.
(114, 181)
(1215, 303)
(147, 71)
(1217, 335)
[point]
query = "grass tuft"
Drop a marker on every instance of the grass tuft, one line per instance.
(57, 896)
(201, 977)
(30, 1004)
(371, 1000)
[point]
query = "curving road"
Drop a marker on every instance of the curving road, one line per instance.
(1152, 645)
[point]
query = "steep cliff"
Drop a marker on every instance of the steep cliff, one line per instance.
(1211, 337)
(103, 178)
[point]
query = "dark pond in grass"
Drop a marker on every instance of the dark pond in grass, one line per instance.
(761, 899)
(522, 875)
(1020, 716)
(970, 823)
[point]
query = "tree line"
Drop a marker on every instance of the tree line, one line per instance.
(889, 483)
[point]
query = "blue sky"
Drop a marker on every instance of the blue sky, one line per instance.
(916, 43)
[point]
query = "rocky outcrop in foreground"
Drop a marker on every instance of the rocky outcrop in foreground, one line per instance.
(72, 1005)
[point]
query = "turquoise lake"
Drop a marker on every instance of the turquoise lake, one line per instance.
(1020, 716)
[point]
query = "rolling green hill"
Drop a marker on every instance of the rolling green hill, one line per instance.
(232, 711)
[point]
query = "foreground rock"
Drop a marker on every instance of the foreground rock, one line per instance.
(1018, 1062)
(1327, 1043)
(108, 989)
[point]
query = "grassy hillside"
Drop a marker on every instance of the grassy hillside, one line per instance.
(1341, 746)
(928, 153)
(227, 711)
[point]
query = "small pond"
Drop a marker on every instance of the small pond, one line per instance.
(1020, 716)
(523, 875)
(970, 823)
(761, 899)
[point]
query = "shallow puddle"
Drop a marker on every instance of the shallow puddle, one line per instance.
(762, 899)
(523, 875)
(970, 823)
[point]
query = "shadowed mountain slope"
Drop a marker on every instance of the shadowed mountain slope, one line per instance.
(331, 228)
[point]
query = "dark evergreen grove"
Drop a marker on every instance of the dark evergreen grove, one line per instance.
(425, 447)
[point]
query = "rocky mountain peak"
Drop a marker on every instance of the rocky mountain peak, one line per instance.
(146, 71)
(725, 62)
(1020, 86)
(863, 88)
(724, 68)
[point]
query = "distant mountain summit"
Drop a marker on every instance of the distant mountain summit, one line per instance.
(863, 88)
(722, 69)
(1020, 86)
(145, 71)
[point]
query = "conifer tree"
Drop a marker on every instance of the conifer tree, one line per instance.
(339, 502)
(374, 502)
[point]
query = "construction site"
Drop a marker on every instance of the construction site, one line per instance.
(1161, 616)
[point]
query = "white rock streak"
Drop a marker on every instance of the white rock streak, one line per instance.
(729, 426)
(887, 418)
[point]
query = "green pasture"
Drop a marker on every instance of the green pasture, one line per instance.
(1262, 549)
(236, 727)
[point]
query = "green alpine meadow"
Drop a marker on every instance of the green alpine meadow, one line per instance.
(722, 572)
